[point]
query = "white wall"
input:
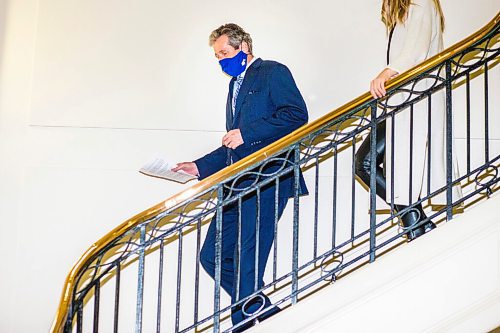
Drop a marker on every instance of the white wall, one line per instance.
(89, 90)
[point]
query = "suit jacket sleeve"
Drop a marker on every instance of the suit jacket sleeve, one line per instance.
(290, 109)
(212, 162)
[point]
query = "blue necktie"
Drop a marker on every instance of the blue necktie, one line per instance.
(236, 90)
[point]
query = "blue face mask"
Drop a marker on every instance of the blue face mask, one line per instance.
(234, 66)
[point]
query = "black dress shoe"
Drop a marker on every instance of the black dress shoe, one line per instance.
(267, 314)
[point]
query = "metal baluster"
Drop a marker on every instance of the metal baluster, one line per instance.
(334, 203)
(218, 258)
(117, 298)
(238, 252)
(275, 250)
(140, 282)
(160, 286)
(97, 296)
(429, 142)
(410, 189)
(257, 241)
(449, 138)
(486, 118)
(373, 181)
(467, 90)
(316, 205)
(179, 278)
(353, 186)
(197, 272)
(393, 131)
(79, 319)
(295, 263)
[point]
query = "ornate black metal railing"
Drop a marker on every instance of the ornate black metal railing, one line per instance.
(146, 274)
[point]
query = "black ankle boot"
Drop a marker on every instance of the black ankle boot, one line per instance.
(412, 217)
(409, 219)
(428, 224)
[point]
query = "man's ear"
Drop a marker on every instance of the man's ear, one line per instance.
(244, 47)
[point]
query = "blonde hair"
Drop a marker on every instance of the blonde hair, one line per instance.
(396, 11)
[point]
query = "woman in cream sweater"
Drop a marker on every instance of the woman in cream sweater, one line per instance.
(415, 28)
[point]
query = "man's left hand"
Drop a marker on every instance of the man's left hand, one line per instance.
(232, 139)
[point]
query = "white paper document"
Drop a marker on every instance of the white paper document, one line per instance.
(161, 168)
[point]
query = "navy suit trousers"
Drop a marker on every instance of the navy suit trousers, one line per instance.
(249, 279)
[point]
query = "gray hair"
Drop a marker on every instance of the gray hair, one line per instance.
(234, 32)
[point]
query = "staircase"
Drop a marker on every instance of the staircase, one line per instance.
(145, 275)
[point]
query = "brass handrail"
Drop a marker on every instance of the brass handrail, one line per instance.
(292, 138)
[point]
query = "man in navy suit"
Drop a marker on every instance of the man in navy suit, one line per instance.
(263, 105)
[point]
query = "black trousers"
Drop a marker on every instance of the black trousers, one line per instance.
(363, 171)
(250, 276)
(363, 161)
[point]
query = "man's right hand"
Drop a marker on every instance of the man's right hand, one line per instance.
(187, 167)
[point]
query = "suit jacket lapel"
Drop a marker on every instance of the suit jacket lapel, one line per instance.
(250, 75)
(229, 107)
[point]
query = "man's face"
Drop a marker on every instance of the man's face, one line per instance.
(223, 50)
